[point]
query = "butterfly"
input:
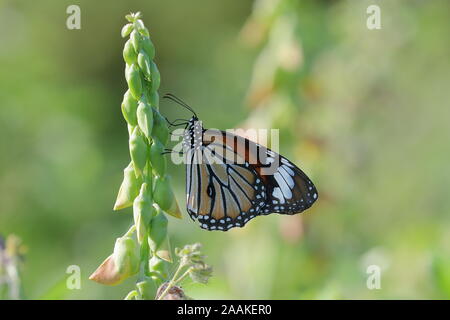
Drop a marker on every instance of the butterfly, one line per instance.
(230, 180)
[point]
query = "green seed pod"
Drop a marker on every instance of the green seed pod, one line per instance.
(165, 198)
(144, 64)
(145, 118)
(125, 257)
(160, 129)
(126, 30)
(134, 81)
(138, 151)
(157, 159)
(135, 40)
(129, 189)
(129, 108)
(158, 230)
(148, 47)
(143, 211)
(156, 78)
(129, 54)
(141, 28)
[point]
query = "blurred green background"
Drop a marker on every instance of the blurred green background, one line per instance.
(364, 113)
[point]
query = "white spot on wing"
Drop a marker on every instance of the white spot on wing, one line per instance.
(277, 194)
(288, 170)
(283, 185)
(286, 177)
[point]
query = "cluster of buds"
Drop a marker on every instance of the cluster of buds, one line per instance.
(192, 264)
(146, 185)
(192, 257)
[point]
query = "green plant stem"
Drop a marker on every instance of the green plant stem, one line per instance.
(173, 281)
(144, 260)
(184, 275)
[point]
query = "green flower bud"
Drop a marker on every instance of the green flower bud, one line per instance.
(157, 159)
(141, 28)
(107, 273)
(143, 211)
(165, 198)
(154, 100)
(129, 189)
(126, 30)
(129, 107)
(144, 64)
(129, 54)
(157, 230)
(120, 265)
(130, 128)
(164, 251)
(146, 288)
(130, 17)
(160, 129)
(131, 295)
(133, 77)
(156, 78)
(138, 151)
(158, 269)
(201, 272)
(190, 254)
(135, 39)
(125, 256)
(145, 118)
(148, 47)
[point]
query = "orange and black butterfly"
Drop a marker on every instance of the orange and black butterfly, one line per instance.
(231, 180)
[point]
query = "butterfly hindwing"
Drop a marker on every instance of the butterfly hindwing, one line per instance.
(290, 190)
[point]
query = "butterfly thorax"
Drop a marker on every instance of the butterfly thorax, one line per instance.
(192, 137)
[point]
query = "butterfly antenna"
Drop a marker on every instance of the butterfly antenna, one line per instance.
(180, 102)
(174, 124)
